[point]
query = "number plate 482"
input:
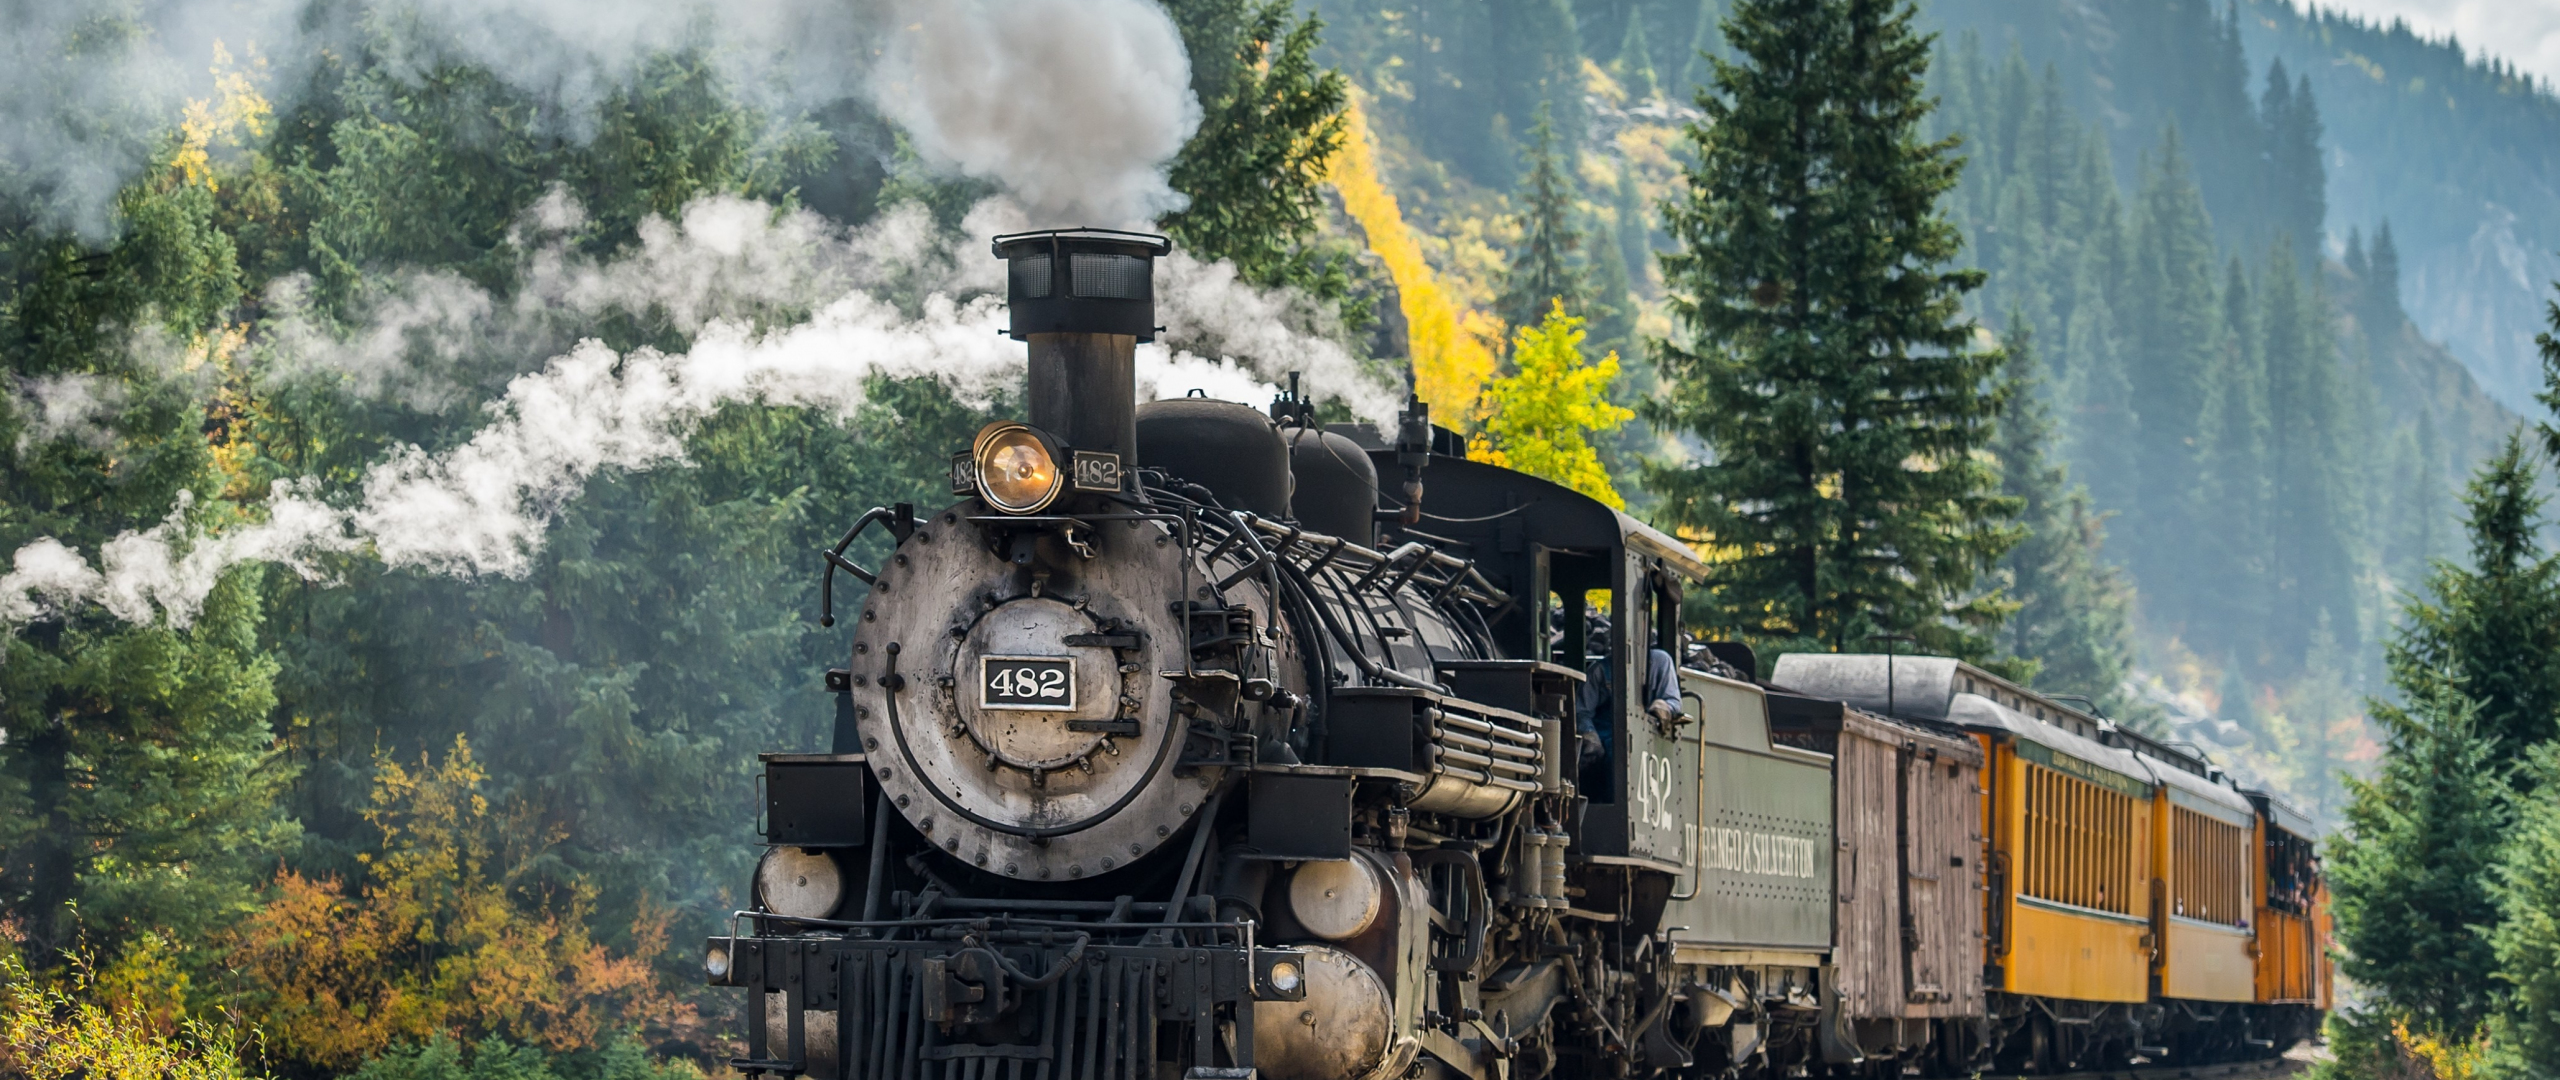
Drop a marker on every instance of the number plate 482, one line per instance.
(1027, 682)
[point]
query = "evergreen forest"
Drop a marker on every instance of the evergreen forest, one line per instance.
(389, 633)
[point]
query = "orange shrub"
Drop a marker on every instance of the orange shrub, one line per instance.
(449, 934)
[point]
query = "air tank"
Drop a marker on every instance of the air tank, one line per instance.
(1231, 449)
(1337, 484)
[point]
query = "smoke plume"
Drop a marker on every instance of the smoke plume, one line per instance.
(1073, 105)
(895, 298)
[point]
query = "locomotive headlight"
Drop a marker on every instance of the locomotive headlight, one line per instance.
(1286, 978)
(1017, 468)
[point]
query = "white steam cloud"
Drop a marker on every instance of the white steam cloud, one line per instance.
(1073, 105)
(71, 406)
(895, 298)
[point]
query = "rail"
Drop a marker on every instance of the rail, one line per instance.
(2234, 1070)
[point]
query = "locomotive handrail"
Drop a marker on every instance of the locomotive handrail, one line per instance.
(986, 922)
(901, 522)
(1478, 588)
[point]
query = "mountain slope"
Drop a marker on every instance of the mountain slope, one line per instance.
(2461, 156)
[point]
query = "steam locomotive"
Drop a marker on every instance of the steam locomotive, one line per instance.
(1181, 747)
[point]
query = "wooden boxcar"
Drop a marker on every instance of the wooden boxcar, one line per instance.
(1907, 948)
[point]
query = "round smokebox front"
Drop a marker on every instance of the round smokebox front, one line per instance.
(1019, 720)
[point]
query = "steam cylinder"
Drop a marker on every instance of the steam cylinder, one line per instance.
(1337, 490)
(1231, 449)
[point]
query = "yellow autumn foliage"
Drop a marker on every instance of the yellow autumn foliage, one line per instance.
(92, 1026)
(449, 935)
(1453, 357)
(2446, 1059)
(236, 107)
(1539, 419)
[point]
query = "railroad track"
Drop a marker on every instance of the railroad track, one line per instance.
(2237, 1070)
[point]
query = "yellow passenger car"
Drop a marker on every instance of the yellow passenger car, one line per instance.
(2203, 840)
(2072, 843)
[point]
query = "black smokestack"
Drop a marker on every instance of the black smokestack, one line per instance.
(1083, 299)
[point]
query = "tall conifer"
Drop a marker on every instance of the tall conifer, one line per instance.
(2473, 661)
(2231, 600)
(1706, 42)
(2074, 611)
(1635, 59)
(2296, 184)
(2313, 458)
(2494, 626)
(1547, 266)
(2170, 328)
(1834, 376)
(2385, 282)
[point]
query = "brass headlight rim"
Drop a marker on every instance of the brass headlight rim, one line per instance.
(1049, 446)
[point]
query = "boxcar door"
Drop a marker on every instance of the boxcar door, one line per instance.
(1925, 876)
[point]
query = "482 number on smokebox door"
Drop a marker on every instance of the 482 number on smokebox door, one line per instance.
(1027, 682)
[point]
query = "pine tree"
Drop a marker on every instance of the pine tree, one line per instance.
(2106, 434)
(2410, 875)
(2170, 324)
(1253, 169)
(1612, 304)
(1546, 267)
(1706, 43)
(1635, 60)
(2296, 185)
(1834, 377)
(2547, 343)
(1635, 233)
(2314, 460)
(1537, 51)
(2232, 598)
(2385, 288)
(2493, 628)
(139, 776)
(2527, 937)
(2074, 611)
